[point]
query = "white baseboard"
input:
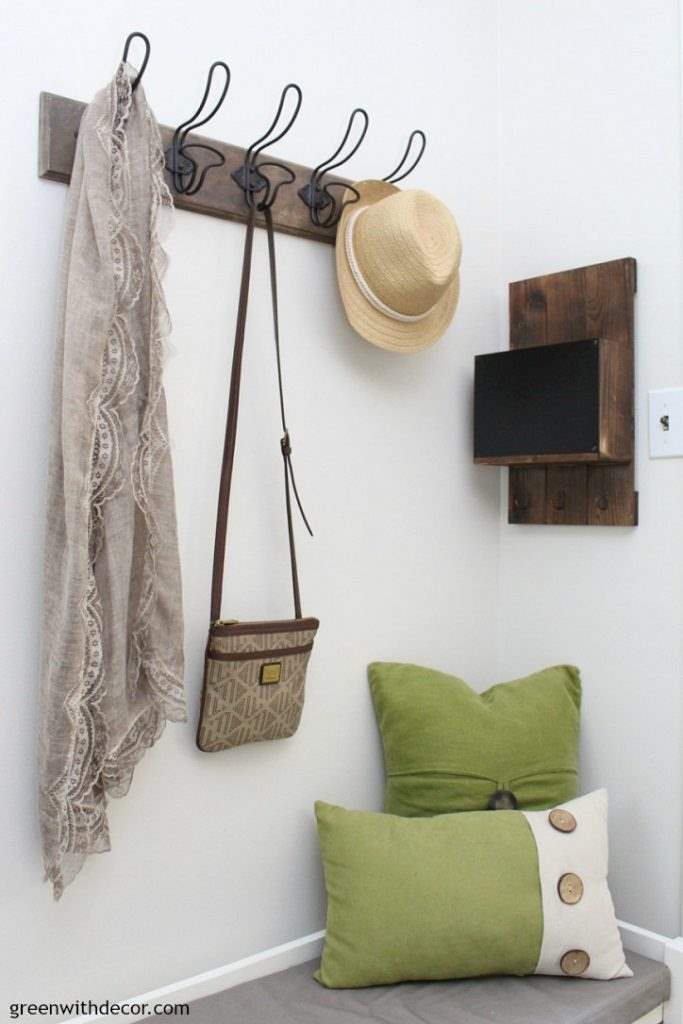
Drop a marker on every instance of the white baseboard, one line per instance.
(639, 940)
(668, 951)
(673, 958)
(279, 958)
(270, 961)
(656, 1016)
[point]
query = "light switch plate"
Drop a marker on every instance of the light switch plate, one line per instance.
(666, 423)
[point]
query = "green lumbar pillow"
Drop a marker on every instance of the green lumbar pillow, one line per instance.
(448, 748)
(466, 895)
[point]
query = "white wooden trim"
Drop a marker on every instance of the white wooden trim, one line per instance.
(260, 965)
(668, 951)
(673, 958)
(639, 940)
(653, 1017)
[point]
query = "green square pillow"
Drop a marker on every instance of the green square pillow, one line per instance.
(448, 748)
(466, 895)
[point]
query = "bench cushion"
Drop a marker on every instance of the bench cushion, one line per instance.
(294, 997)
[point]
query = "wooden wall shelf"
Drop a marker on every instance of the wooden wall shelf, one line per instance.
(220, 196)
(551, 459)
(549, 404)
(589, 488)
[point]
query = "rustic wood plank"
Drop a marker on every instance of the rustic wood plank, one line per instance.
(588, 302)
(220, 196)
(612, 500)
(528, 326)
(549, 459)
(610, 289)
(616, 401)
(567, 495)
(526, 501)
(528, 315)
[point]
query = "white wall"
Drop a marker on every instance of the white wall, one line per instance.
(589, 170)
(557, 150)
(214, 857)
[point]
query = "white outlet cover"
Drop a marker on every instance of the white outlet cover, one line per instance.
(665, 408)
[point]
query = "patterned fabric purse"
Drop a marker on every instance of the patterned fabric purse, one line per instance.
(255, 672)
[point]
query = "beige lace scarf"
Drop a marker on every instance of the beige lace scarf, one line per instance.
(113, 630)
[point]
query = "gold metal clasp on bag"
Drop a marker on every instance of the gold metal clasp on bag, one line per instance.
(271, 673)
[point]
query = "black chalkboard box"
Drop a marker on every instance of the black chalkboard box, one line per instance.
(548, 403)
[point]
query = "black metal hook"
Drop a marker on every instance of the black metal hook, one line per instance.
(396, 174)
(131, 37)
(250, 176)
(187, 177)
(318, 198)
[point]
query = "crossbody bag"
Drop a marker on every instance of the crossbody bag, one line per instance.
(255, 672)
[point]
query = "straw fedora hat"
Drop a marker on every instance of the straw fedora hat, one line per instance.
(398, 254)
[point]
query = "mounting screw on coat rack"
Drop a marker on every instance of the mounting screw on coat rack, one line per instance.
(250, 176)
(186, 176)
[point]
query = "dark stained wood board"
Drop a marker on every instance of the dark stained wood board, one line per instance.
(589, 302)
(220, 196)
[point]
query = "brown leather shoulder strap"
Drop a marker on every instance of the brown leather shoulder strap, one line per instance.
(231, 426)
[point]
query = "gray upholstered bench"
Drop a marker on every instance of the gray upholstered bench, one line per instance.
(293, 997)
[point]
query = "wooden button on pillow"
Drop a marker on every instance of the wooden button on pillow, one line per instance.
(448, 748)
(466, 895)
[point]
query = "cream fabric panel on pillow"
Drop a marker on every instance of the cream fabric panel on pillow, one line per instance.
(578, 912)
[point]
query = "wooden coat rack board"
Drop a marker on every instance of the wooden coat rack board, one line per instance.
(220, 196)
(590, 302)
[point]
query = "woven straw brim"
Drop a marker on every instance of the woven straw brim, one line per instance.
(373, 325)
